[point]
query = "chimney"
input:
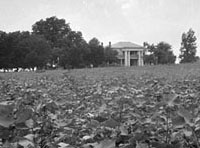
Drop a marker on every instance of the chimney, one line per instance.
(102, 44)
(109, 44)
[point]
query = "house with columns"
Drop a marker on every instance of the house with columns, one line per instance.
(129, 54)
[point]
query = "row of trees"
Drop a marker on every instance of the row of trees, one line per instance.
(51, 42)
(162, 53)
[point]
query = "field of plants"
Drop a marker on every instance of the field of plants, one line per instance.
(115, 107)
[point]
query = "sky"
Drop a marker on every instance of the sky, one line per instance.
(136, 21)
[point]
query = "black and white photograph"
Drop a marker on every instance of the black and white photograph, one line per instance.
(99, 74)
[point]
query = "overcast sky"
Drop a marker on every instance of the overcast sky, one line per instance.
(110, 20)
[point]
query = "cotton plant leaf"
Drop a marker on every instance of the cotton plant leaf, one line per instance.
(93, 124)
(186, 115)
(60, 123)
(5, 103)
(105, 144)
(26, 143)
(178, 121)
(170, 99)
(177, 100)
(63, 145)
(176, 135)
(30, 137)
(111, 123)
(159, 145)
(99, 89)
(141, 145)
(51, 106)
(6, 109)
(6, 117)
(23, 115)
(102, 108)
(123, 130)
(4, 132)
(158, 117)
(53, 116)
(187, 133)
(8, 145)
(6, 121)
(29, 123)
(86, 137)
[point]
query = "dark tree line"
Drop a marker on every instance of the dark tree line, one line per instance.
(51, 43)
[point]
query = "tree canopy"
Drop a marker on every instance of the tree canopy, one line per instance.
(110, 55)
(188, 47)
(37, 51)
(160, 53)
(96, 55)
(53, 29)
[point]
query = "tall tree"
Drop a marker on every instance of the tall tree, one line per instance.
(96, 56)
(74, 51)
(110, 55)
(188, 47)
(53, 29)
(37, 51)
(9, 48)
(55, 56)
(19, 53)
(149, 57)
(159, 54)
(164, 53)
(3, 50)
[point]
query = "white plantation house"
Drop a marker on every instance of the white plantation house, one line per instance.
(129, 54)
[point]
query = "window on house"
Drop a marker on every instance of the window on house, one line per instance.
(133, 53)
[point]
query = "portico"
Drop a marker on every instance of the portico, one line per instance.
(129, 54)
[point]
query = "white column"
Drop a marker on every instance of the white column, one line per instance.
(129, 59)
(142, 58)
(126, 58)
(139, 58)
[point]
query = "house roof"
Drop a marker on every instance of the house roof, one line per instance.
(126, 45)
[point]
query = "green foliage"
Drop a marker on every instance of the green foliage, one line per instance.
(19, 53)
(188, 47)
(51, 44)
(75, 52)
(141, 112)
(4, 54)
(150, 59)
(9, 50)
(53, 29)
(37, 51)
(110, 55)
(164, 53)
(159, 54)
(21, 49)
(96, 54)
(58, 34)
